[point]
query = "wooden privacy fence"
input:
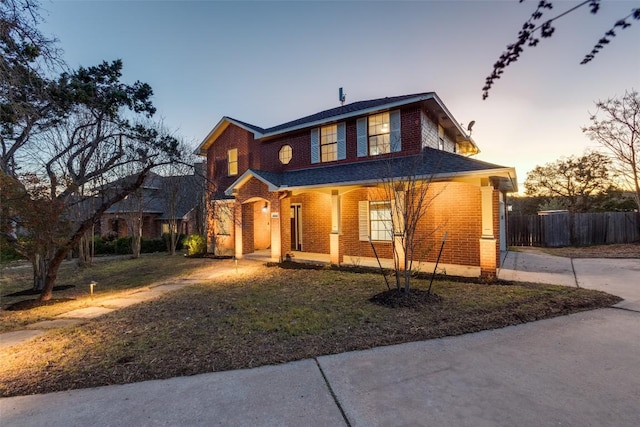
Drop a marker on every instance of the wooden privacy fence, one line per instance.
(574, 229)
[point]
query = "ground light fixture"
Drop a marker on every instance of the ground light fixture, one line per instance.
(91, 285)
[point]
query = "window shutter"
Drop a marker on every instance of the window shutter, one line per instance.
(342, 141)
(315, 145)
(363, 221)
(394, 136)
(361, 126)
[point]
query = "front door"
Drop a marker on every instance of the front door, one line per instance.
(296, 227)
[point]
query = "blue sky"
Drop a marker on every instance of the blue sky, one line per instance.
(269, 62)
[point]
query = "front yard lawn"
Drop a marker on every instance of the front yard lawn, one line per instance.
(273, 315)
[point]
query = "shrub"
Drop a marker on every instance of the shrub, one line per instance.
(7, 253)
(167, 241)
(122, 246)
(149, 246)
(195, 244)
(103, 246)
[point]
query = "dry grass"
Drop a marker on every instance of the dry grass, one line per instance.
(270, 316)
(114, 276)
(622, 250)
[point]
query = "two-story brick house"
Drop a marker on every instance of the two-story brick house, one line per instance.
(311, 187)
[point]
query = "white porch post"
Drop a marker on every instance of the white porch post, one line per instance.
(237, 231)
(276, 238)
(334, 237)
(487, 240)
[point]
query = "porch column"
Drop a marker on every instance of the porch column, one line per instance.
(276, 238)
(237, 231)
(334, 238)
(488, 264)
(397, 244)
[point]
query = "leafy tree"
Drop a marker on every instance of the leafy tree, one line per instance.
(616, 126)
(536, 27)
(579, 181)
(95, 142)
(29, 102)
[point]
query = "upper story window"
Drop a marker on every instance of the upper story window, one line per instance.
(379, 136)
(440, 137)
(232, 162)
(329, 143)
(285, 154)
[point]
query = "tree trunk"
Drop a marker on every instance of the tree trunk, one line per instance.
(52, 274)
(173, 236)
(136, 243)
(85, 257)
(39, 272)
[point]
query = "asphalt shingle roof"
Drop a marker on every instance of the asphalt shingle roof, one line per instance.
(430, 162)
(354, 107)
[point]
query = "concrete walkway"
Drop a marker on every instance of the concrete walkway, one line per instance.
(580, 369)
(103, 305)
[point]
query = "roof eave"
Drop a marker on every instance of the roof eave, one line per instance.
(246, 176)
(344, 116)
(506, 175)
(217, 131)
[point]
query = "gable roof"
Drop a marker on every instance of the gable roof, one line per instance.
(343, 112)
(430, 164)
(156, 193)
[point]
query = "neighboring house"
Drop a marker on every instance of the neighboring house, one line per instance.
(308, 188)
(160, 201)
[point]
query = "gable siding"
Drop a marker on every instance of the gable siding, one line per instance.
(429, 135)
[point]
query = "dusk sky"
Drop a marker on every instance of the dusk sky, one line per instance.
(267, 63)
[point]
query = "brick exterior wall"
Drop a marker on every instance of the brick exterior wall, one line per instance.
(456, 209)
(316, 221)
(248, 156)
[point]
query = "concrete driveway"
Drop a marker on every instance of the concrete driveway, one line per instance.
(619, 277)
(577, 370)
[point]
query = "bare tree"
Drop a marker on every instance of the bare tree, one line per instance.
(536, 27)
(407, 185)
(616, 126)
(180, 192)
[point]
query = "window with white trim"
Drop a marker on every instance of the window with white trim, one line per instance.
(232, 162)
(380, 221)
(329, 143)
(379, 134)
